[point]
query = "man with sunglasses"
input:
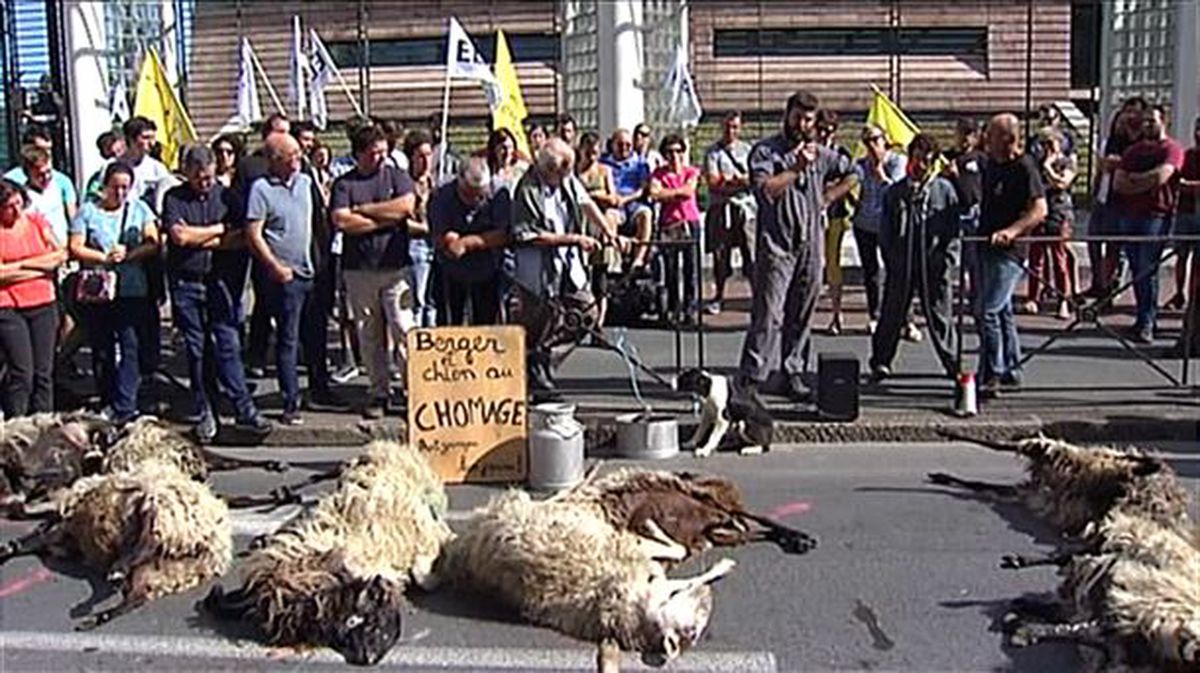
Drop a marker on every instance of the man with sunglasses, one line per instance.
(792, 178)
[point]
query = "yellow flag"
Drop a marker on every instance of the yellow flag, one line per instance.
(156, 101)
(510, 112)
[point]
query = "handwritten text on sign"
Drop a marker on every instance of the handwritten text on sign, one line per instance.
(467, 408)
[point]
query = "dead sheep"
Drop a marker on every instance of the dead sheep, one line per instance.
(148, 438)
(44, 452)
(698, 511)
(336, 574)
(563, 565)
(153, 529)
(1071, 486)
(1136, 600)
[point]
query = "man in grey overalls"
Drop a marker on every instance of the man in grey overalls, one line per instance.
(789, 172)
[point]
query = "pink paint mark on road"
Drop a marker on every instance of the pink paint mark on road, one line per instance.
(790, 509)
(22, 583)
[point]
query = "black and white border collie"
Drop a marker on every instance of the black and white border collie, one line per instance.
(725, 406)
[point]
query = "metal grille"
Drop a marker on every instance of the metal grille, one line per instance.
(1142, 54)
(130, 26)
(581, 65)
(661, 36)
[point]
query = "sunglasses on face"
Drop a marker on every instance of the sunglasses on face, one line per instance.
(674, 150)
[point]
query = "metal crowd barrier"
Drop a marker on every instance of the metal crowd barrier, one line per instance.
(1085, 311)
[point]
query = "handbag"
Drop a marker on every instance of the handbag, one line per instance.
(99, 285)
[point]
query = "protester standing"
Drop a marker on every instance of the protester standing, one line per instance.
(1014, 203)
(1147, 181)
(141, 134)
(729, 221)
(790, 173)
(504, 162)
(837, 221)
(965, 171)
(418, 147)
(919, 239)
(549, 211)
(1187, 219)
(565, 128)
(1052, 260)
(279, 216)
(1126, 129)
(198, 217)
(228, 149)
(118, 234)
(877, 171)
(597, 178)
(371, 206)
(536, 134)
(30, 255)
(643, 147)
(673, 187)
(469, 224)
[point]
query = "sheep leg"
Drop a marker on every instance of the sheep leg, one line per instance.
(30, 543)
(219, 463)
(656, 544)
(127, 605)
(278, 497)
(789, 539)
(608, 656)
(998, 490)
(719, 570)
(232, 605)
(423, 574)
(1019, 561)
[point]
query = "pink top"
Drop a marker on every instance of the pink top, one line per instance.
(677, 211)
(28, 237)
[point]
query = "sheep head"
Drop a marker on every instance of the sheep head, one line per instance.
(675, 613)
(369, 622)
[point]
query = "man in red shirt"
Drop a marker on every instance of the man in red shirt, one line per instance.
(1148, 182)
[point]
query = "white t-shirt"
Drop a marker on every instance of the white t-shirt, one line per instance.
(567, 258)
(147, 173)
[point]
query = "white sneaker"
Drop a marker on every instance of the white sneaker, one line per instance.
(345, 375)
(871, 325)
(912, 333)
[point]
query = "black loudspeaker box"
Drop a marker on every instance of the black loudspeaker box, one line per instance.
(837, 386)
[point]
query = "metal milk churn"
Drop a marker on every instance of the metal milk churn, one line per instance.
(555, 447)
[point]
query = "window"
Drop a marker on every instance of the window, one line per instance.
(969, 44)
(412, 51)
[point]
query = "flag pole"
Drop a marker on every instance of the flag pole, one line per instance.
(346, 90)
(445, 123)
(266, 80)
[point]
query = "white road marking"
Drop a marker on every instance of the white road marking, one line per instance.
(449, 658)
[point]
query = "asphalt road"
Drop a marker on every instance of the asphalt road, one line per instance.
(905, 579)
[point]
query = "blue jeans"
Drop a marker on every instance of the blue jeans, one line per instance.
(968, 222)
(1144, 260)
(1000, 347)
(115, 330)
(285, 303)
(207, 314)
(425, 310)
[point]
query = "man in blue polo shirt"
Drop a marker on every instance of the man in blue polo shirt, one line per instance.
(279, 215)
(631, 175)
(199, 218)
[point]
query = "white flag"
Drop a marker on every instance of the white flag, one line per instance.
(118, 102)
(248, 108)
(297, 71)
(684, 105)
(324, 70)
(463, 59)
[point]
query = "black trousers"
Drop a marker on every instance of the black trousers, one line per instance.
(314, 326)
(27, 338)
(484, 299)
(928, 269)
(259, 339)
(868, 254)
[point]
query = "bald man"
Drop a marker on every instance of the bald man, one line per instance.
(279, 214)
(1014, 202)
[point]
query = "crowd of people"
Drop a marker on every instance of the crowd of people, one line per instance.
(404, 232)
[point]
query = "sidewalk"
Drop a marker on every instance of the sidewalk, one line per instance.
(1087, 387)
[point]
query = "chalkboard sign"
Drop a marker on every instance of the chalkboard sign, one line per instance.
(467, 401)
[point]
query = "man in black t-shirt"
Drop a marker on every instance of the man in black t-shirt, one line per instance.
(200, 218)
(1013, 203)
(965, 171)
(371, 206)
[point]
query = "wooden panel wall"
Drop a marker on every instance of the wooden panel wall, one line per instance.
(407, 93)
(926, 83)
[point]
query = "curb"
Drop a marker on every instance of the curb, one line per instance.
(601, 431)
